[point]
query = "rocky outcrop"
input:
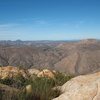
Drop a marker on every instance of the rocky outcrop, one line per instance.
(43, 73)
(33, 71)
(11, 72)
(86, 87)
(46, 73)
(7, 88)
(28, 89)
(8, 93)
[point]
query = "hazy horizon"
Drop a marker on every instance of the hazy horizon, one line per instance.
(52, 39)
(49, 19)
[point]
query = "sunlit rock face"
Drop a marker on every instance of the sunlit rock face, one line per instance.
(86, 87)
(33, 71)
(43, 73)
(11, 72)
(46, 73)
(29, 89)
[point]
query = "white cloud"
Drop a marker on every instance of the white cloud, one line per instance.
(8, 25)
(8, 28)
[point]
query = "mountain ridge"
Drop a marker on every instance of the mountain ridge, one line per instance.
(73, 57)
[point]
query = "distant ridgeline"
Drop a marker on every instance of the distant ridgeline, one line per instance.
(72, 57)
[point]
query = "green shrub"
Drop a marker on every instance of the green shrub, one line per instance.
(17, 82)
(42, 88)
(61, 78)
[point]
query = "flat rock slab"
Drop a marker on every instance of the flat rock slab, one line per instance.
(84, 87)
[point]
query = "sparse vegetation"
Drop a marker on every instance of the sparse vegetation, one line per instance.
(42, 88)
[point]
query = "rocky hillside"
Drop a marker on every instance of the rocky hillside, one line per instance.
(75, 57)
(82, 57)
(31, 84)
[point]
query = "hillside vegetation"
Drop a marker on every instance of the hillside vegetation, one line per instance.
(19, 84)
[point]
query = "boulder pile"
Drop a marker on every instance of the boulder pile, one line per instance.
(12, 72)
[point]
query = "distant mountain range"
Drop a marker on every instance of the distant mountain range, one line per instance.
(36, 43)
(72, 57)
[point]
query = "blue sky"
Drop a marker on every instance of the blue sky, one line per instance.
(49, 19)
